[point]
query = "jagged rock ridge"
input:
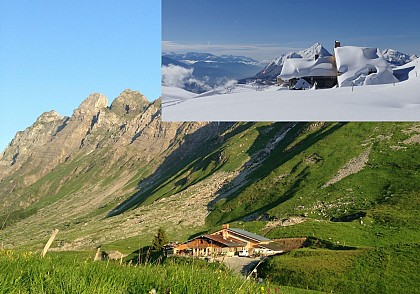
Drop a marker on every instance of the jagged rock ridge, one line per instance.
(53, 139)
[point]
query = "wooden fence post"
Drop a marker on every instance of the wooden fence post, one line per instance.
(47, 246)
(98, 255)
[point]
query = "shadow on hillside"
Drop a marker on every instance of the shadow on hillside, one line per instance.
(280, 155)
(196, 152)
(145, 255)
(316, 243)
(254, 153)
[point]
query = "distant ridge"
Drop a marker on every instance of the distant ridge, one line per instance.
(209, 70)
(397, 58)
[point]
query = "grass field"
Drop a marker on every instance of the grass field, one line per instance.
(75, 272)
(389, 269)
(27, 273)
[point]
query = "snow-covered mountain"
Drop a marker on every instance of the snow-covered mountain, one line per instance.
(397, 58)
(273, 69)
(315, 49)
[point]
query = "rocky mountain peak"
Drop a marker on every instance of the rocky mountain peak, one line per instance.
(129, 102)
(397, 58)
(93, 104)
(49, 116)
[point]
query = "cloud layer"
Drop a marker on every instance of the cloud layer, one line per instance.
(173, 75)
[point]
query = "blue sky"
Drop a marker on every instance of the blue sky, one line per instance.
(53, 54)
(267, 28)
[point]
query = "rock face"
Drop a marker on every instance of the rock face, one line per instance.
(50, 140)
(29, 143)
(129, 102)
(130, 122)
(100, 156)
(92, 105)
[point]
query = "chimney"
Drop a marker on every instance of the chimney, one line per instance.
(337, 44)
(225, 233)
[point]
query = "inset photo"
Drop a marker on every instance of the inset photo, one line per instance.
(283, 61)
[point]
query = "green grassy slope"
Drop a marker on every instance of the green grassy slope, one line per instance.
(26, 273)
(225, 152)
(375, 209)
(353, 184)
(389, 269)
(290, 181)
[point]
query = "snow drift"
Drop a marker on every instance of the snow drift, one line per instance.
(298, 68)
(362, 66)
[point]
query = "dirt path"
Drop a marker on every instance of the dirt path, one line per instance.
(242, 265)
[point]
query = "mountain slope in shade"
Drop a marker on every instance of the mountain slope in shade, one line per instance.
(397, 58)
(168, 60)
(194, 57)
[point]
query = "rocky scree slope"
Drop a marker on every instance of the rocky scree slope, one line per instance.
(96, 150)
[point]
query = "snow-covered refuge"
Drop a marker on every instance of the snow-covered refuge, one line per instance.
(362, 66)
(245, 102)
(303, 67)
(274, 68)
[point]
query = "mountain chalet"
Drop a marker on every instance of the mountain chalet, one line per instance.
(349, 66)
(228, 242)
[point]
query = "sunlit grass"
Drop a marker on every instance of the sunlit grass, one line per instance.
(26, 272)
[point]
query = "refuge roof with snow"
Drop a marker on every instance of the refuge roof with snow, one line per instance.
(362, 66)
(304, 67)
(274, 68)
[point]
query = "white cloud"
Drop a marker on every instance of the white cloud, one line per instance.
(201, 84)
(230, 83)
(174, 75)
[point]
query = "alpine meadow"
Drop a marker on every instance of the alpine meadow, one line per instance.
(110, 177)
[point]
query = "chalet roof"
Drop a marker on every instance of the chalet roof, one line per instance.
(249, 235)
(272, 246)
(362, 66)
(226, 242)
(308, 67)
(181, 247)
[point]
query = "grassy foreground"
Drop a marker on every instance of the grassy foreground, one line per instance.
(25, 272)
(388, 269)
